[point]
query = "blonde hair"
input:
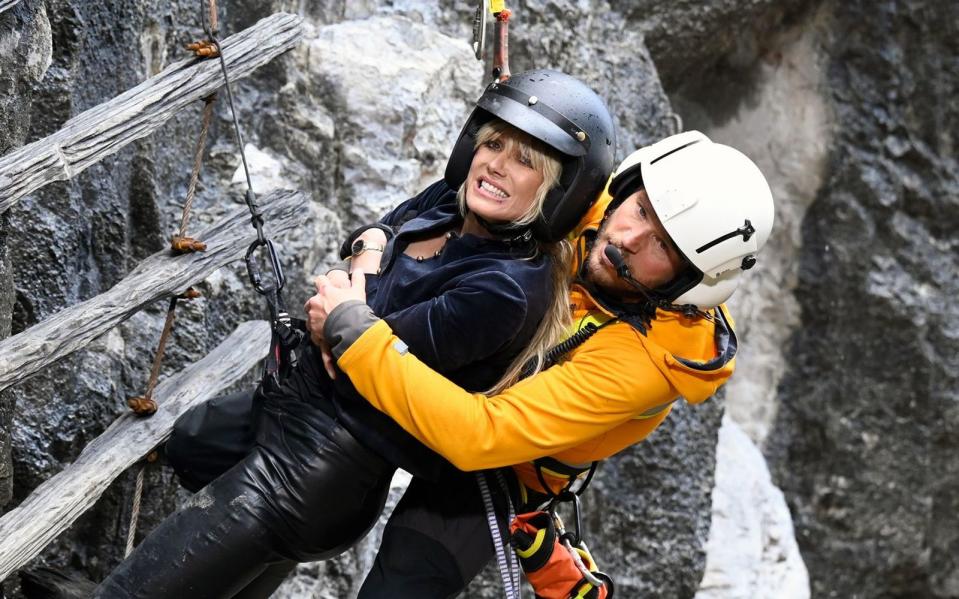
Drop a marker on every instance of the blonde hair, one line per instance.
(540, 156)
(555, 323)
(556, 320)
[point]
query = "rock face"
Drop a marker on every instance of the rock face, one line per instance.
(752, 551)
(849, 332)
(864, 445)
(357, 132)
(25, 48)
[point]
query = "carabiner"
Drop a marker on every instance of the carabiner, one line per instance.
(253, 269)
(479, 29)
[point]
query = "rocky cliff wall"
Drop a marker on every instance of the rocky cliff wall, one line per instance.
(864, 444)
(849, 338)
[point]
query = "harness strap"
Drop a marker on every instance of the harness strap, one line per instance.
(508, 566)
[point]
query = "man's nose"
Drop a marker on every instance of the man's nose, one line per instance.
(634, 236)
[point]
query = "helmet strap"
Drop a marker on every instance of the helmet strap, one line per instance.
(507, 232)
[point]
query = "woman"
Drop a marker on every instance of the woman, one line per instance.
(485, 270)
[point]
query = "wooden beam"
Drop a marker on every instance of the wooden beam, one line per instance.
(105, 129)
(7, 4)
(161, 275)
(64, 497)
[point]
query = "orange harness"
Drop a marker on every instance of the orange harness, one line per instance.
(557, 565)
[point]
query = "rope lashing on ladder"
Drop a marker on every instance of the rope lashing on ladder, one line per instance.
(145, 405)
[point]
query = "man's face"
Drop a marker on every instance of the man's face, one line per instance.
(649, 253)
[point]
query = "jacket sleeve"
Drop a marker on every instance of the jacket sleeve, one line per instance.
(609, 380)
(464, 324)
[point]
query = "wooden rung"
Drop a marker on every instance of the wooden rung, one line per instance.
(59, 501)
(105, 129)
(7, 5)
(161, 275)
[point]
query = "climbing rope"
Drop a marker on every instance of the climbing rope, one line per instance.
(501, 52)
(135, 511)
(145, 405)
(285, 337)
(501, 16)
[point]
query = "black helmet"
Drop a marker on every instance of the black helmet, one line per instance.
(565, 114)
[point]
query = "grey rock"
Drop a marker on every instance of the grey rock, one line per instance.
(394, 120)
(859, 426)
(689, 39)
(787, 101)
(752, 551)
(864, 445)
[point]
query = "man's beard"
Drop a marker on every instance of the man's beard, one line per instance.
(601, 274)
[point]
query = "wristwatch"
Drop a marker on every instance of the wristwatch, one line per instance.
(359, 246)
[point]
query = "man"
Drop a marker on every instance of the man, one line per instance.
(682, 220)
(659, 253)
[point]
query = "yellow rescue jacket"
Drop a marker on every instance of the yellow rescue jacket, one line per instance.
(611, 392)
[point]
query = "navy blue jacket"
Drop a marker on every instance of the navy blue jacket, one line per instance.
(466, 313)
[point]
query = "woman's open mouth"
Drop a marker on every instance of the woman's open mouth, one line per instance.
(491, 190)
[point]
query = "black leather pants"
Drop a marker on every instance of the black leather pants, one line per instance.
(434, 543)
(306, 491)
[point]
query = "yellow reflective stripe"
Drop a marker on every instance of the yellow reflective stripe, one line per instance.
(654, 411)
(584, 590)
(537, 544)
(496, 6)
(555, 474)
(595, 318)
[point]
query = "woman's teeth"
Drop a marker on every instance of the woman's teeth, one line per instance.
(493, 190)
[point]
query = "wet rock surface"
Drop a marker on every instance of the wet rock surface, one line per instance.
(847, 376)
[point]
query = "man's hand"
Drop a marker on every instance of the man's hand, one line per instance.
(337, 277)
(332, 289)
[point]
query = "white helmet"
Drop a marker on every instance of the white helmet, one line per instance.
(713, 202)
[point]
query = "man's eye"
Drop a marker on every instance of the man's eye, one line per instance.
(642, 211)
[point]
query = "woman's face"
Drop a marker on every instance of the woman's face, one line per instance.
(502, 183)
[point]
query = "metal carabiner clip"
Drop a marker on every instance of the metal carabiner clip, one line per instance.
(479, 29)
(253, 269)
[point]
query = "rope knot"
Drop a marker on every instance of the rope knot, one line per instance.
(142, 405)
(204, 49)
(186, 245)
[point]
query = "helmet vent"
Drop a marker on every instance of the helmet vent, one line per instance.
(746, 231)
(673, 151)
